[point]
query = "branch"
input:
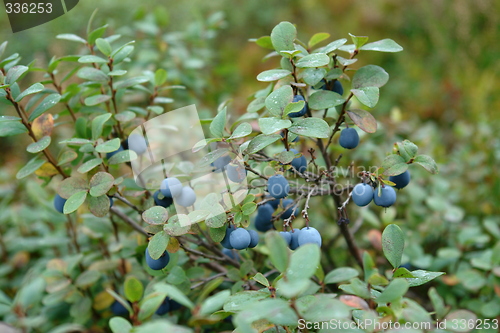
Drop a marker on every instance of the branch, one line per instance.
(129, 221)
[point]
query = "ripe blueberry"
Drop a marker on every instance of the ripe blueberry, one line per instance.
(59, 203)
(349, 138)
(387, 196)
(309, 235)
(164, 307)
(286, 203)
(286, 236)
(187, 197)
(236, 172)
(137, 143)
(231, 254)
(362, 194)
(171, 187)
(278, 186)
(240, 239)
(274, 203)
(159, 263)
(298, 98)
(401, 180)
(221, 162)
(118, 309)
(225, 242)
(299, 163)
(165, 202)
(294, 242)
(254, 238)
(110, 154)
(337, 87)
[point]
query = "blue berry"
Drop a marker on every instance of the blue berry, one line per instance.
(220, 163)
(362, 194)
(387, 196)
(174, 305)
(254, 238)
(294, 242)
(171, 187)
(349, 138)
(289, 211)
(164, 307)
(299, 163)
(401, 180)
(225, 242)
(236, 172)
(231, 254)
(159, 263)
(187, 197)
(137, 143)
(110, 154)
(111, 202)
(278, 186)
(165, 202)
(286, 236)
(240, 239)
(118, 309)
(298, 98)
(263, 219)
(59, 203)
(337, 87)
(274, 203)
(309, 235)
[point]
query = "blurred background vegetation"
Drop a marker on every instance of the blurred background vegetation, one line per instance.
(442, 95)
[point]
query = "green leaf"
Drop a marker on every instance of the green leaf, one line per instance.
(38, 146)
(99, 206)
(261, 279)
(3, 46)
(72, 37)
(402, 272)
(394, 291)
(256, 104)
(384, 45)
(103, 46)
(46, 104)
(217, 125)
(293, 107)
(67, 157)
(367, 96)
(92, 74)
(278, 250)
(122, 54)
(89, 59)
(88, 278)
(303, 262)
(341, 274)
(214, 303)
(363, 119)
(313, 60)
(158, 244)
(422, 276)
(275, 310)
(278, 100)
(74, 202)
(97, 33)
(131, 82)
(333, 46)
(89, 165)
(326, 308)
(311, 127)
(427, 163)
(356, 287)
(324, 99)
(370, 76)
(317, 38)
(248, 208)
(273, 75)
(217, 234)
(272, 125)
(133, 289)
(96, 99)
(261, 141)
(241, 131)
(126, 116)
(177, 225)
(265, 42)
(72, 185)
(30, 167)
(98, 123)
(155, 215)
(393, 243)
(149, 304)
(437, 303)
(14, 74)
(120, 325)
(394, 165)
(312, 76)
(108, 146)
(160, 77)
(283, 36)
(174, 294)
(11, 128)
(37, 87)
(358, 40)
(122, 157)
(101, 183)
(243, 299)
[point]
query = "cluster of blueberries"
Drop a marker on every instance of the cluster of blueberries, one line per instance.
(171, 188)
(168, 305)
(363, 194)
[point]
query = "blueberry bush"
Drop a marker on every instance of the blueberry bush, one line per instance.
(114, 256)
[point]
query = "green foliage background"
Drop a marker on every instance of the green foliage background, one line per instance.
(443, 95)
